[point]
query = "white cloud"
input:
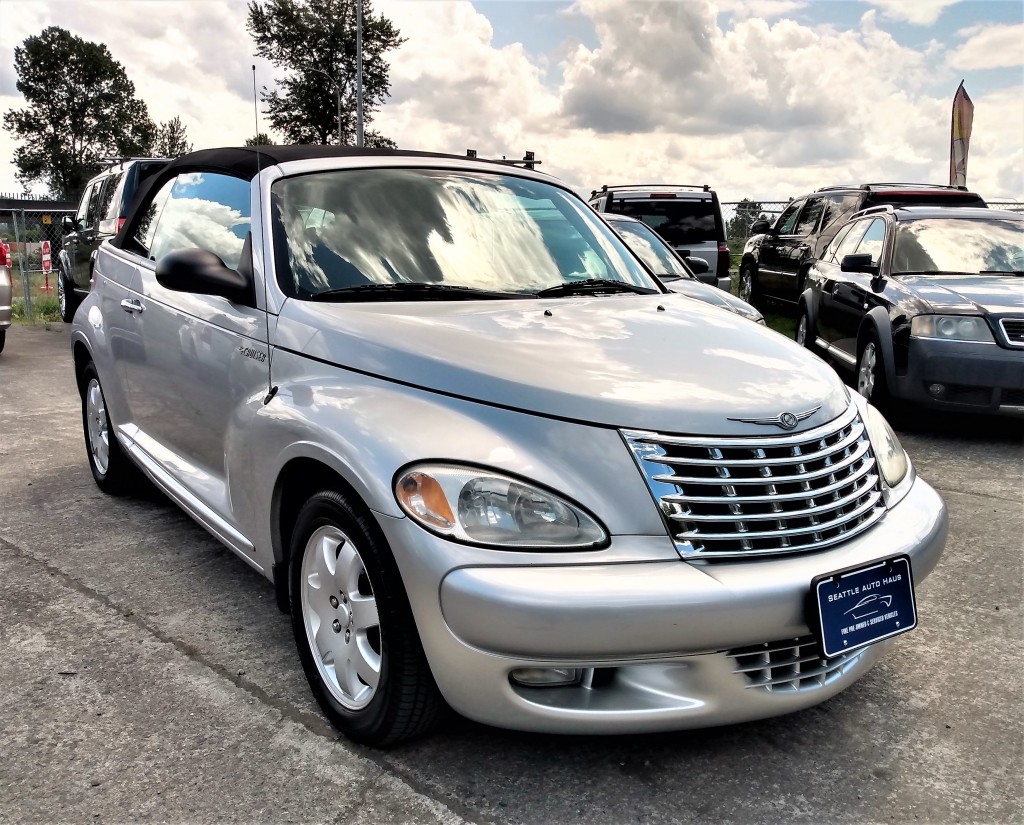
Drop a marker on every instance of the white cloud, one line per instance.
(918, 12)
(990, 47)
(764, 108)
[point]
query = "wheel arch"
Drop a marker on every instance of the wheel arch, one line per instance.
(300, 478)
(82, 357)
(877, 321)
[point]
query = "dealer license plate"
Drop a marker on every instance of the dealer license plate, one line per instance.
(865, 604)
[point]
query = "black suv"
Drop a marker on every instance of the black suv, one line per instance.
(101, 213)
(776, 257)
(923, 303)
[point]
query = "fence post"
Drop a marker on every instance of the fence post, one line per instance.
(25, 286)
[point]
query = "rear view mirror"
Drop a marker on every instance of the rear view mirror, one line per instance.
(858, 263)
(202, 272)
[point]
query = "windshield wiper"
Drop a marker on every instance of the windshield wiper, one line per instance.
(409, 290)
(1018, 272)
(593, 286)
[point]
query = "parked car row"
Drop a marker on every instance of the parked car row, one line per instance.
(486, 457)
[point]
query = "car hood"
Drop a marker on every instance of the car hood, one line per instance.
(659, 362)
(712, 295)
(968, 293)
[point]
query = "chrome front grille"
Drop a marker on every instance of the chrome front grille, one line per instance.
(789, 665)
(1013, 331)
(763, 495)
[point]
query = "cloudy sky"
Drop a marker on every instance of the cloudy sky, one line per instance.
(759, 98)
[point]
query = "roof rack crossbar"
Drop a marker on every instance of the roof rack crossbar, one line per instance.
(529, 161)
(703, 187)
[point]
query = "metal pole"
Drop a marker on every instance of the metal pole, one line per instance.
(25, 285)
(337, 91)
(359, 73)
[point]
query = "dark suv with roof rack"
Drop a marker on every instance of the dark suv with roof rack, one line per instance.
(101, 213)
(777, 256)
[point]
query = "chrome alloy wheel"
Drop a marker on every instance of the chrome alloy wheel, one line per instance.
(867, 370)
(801, 330)
(98, 425)
(746, 285)
(339, 611)
(62, 297)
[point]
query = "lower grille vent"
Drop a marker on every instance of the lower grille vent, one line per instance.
(789, 665)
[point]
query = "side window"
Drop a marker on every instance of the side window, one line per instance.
(787, 220)
(205, 211)
(871, 243)
(809, 217)
(142, 239)
(96, 203)
(108, 211)
(83, 207)
(829, 255)
(849, 244)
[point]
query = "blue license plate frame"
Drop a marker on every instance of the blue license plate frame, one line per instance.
(862, 605)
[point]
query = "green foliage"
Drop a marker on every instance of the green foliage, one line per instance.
(309, 39)
(259, 139)
(171, 140)
(747, 211)
(81, 108)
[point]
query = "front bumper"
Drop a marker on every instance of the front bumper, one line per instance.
(659, 642)
(976, 377)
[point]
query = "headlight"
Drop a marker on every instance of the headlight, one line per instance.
(487, 508)
(951, 327)
(889, 453)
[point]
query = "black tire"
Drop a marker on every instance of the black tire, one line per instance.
(67, 300)
(405, 701)
(3, 339)
(113, 471)
(748, 289)
(870, 372)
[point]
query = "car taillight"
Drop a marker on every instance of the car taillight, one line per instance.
(722, 271)
(656, 195)
(120, 223)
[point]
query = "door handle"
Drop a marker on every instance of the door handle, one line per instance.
(132, 305)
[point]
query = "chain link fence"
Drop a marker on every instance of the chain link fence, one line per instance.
(35, 236)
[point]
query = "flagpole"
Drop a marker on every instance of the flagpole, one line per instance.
(359, 72)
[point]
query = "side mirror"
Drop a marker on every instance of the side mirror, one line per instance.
(69, 224)
(858, 263)
(702, 269)
(760, 227)
(202, 272)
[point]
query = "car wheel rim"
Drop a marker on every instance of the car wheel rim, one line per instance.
(801, 331)
(866, 373)
(339, 611)
(62, 298)
(98, 428)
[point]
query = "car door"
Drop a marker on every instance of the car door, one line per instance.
(77, 241)
(205, 363)
(849, 296)
(775, 250)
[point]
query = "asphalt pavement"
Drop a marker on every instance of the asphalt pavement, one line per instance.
(147, 675)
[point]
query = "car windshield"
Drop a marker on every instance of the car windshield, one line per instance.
(650, 248)
(495, 233)
(959, 245)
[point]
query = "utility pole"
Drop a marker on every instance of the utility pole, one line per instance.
(359, 76)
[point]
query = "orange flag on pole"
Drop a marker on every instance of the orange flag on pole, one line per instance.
(960, 136)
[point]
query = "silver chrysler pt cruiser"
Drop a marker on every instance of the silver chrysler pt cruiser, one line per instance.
(485, 458)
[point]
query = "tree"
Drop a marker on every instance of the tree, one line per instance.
(314, 41)
(747, 211)
(259, 139)
(81, 108)
(170, 140)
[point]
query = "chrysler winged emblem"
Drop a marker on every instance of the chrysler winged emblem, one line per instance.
(786, 420)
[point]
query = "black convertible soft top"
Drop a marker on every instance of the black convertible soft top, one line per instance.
(246, 162)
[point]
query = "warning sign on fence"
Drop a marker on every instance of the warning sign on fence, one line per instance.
(46, 257)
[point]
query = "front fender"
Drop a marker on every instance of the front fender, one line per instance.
(878, 320)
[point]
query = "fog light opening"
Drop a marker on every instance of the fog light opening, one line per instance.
(547, 676)
(937, 390)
